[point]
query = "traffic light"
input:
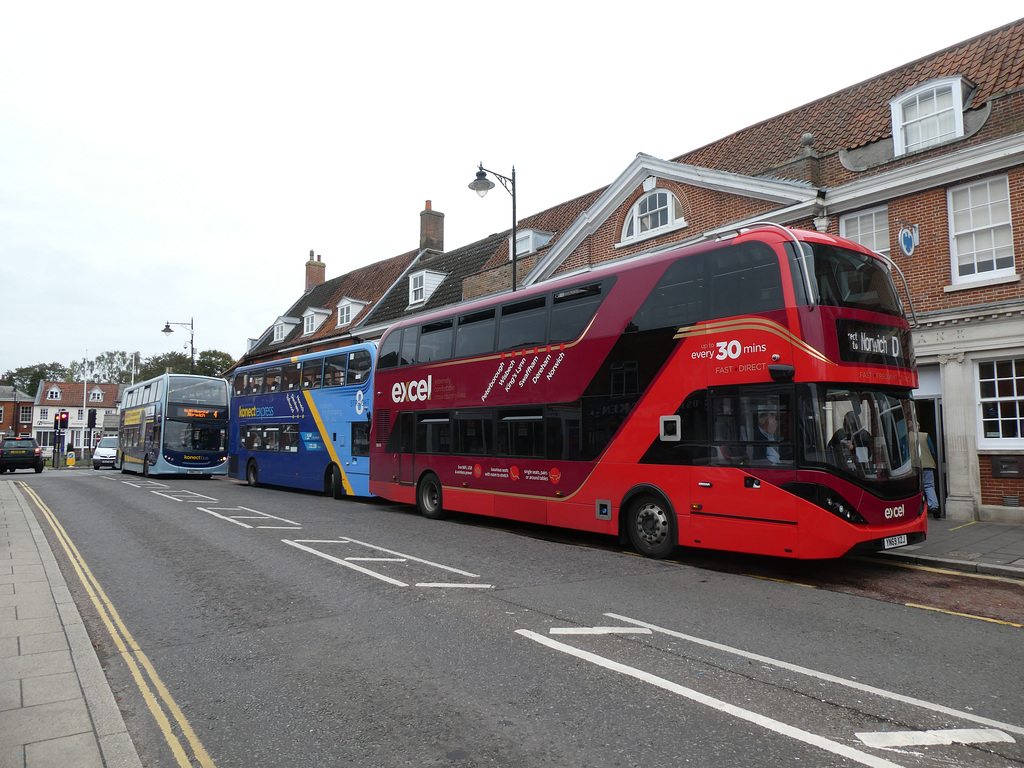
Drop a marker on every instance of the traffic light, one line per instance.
(56, 422)
(91, 424)
(62, 418)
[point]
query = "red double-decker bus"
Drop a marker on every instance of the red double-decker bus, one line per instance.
(751, 394)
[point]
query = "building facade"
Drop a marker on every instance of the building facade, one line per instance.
(15, 412)
(79, 399)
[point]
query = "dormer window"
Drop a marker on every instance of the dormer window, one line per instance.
(530, 241)
(930, 114)
(423, 284)
(283, 327)
(96, 396)
(655, 213)
(313, 319)
(53, 393)
(348, 310)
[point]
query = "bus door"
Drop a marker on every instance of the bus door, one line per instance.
(737, 499)
(406, 426)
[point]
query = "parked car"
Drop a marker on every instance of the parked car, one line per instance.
(20, 453)
(105, 454)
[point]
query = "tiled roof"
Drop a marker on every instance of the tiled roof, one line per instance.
(860, 114)
(71, 394)
(555, 219)
(457, 264)
(366, 284)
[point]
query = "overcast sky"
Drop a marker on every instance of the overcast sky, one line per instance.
(178, 161)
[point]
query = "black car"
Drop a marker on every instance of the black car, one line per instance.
(20, 453)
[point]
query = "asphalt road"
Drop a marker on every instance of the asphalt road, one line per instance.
(290, 629)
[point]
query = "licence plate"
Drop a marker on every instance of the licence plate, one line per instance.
(19, 452)
(895, 541)
(199, 472)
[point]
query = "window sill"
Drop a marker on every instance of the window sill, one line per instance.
(981, 283)
(650, 235)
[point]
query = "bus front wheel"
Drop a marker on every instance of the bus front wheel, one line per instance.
(145, 466)
(252, 474)
(428, 497)
(651, 526)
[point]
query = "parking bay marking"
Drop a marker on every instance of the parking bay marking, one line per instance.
(395, 557)
(892, 695)
(251, 514)
(877, 740)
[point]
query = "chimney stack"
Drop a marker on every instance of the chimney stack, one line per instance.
(431, 229)
(315, 271)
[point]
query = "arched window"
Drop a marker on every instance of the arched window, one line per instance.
(928, 115)
(656, 212)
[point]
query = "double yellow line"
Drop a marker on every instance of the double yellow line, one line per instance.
(156, 695)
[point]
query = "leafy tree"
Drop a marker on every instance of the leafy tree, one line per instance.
(169, 362)
(114, 367)
(212, 362)
(27, 379)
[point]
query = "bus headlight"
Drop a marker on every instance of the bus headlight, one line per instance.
(828, 499)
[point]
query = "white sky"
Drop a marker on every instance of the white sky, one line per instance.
(176, 161)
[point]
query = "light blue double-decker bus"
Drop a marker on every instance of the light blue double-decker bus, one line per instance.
(174, 424)
(304, 422)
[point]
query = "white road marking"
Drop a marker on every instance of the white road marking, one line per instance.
(184, 495)
(451, 585)
(783, 729)
(394, 557)
(893, 696)
(928, 738)
(599, 631)
(345, 563)
(253, 515)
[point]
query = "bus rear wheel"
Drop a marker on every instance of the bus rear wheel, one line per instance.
(333, 484)
(252, 474)
(651, 526)
(429, 500)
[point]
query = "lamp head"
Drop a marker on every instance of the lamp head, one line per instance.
(481, 184)
(167, 331)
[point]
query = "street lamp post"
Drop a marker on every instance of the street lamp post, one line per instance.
(482, 185)
(167, 331)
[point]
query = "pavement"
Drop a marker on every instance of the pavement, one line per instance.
(57, 709)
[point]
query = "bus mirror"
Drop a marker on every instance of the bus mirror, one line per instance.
(781, 372)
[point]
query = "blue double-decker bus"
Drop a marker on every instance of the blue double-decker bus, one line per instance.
(304, 422)
(174, 424)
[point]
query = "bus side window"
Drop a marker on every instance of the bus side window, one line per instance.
(474, 334)
(523, 324)
(312, 373)
(746, 279)
(359, 364)
(388, 357)
(334, 370)
(290, 377)
(436, 341)
(239, 385)
(678, 299)
(572, 309)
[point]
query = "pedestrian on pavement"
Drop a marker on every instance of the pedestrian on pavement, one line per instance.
(926, 447)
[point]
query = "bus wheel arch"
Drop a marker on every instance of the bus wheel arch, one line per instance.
(334, 486)
(648, 520)
(430, 497)
(252, 474)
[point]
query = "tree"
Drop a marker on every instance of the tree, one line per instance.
(27, 379)
(114, 367)
(212, 362)
(169, 362)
